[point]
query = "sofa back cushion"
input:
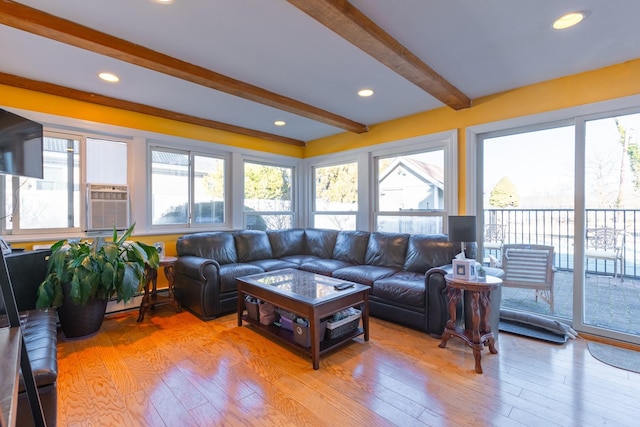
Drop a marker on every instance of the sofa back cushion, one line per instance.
(429, 250)
(217, 245)
(351, 246)
(286, 242)
(319, 242)
(252, 245)
(386, 249)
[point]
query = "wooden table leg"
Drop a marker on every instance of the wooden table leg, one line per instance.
(149, 277)
(240, 306)
(170, 274)
(314, 330)
(365, 316)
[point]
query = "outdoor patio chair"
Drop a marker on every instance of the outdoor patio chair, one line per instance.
(606, 244)
(529, 267)
(493, 239)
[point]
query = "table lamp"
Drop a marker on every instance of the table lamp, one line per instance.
(462, 229)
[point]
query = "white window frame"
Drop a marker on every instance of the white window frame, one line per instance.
(191, 153)
(312, 200)
(579, 115)
(294, 184)
(447, 140)
(81, 136)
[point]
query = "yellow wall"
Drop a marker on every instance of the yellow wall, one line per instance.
(59, 106)
(604, 84)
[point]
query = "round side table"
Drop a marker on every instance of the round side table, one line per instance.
(480, 331)
(151, 297)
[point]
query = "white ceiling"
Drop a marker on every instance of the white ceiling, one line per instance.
(481, 47)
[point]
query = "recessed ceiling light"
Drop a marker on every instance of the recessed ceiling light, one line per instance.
(279, 123)
(568, 20)
(109, 77)
(365, 92)
(164, 1)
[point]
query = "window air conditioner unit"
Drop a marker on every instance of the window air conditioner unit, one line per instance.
(108, 207)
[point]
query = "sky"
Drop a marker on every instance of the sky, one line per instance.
(541, 163)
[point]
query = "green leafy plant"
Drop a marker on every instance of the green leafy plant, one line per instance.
(97, 268)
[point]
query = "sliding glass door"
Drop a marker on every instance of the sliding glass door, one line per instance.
(611, 292)
(527, 198)
(574, 186)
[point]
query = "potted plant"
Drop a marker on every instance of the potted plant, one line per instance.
(83, 275)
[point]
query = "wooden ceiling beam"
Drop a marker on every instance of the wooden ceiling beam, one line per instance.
(52, 89)
(43, 24)
(351, 24)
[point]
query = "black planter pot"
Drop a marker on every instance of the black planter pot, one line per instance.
(81, 321)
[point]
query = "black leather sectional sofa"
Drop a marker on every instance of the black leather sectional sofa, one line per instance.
(405, 272)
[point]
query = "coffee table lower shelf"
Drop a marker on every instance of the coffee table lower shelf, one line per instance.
(286, 336)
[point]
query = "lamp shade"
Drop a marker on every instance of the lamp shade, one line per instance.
(462, 228)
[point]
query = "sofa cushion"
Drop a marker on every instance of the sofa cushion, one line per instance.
(41, 339)
(405, 287)
(351, 246)
(425, 251)
(219, 246)
(324, 266)
(229, 273)
(286, 242)
(273, 264)
(320, 243)
(298, 260)
(387, 249)
(252, 245)
(365, 274)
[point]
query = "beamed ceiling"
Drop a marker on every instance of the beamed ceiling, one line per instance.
(240, 65)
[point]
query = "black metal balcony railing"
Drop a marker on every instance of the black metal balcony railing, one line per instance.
(556, 227)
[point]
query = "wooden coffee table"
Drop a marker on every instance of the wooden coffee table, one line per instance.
(309, 295)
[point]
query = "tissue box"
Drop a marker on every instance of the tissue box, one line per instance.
(465, 269)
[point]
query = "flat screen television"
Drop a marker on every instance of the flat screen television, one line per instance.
(20, 146)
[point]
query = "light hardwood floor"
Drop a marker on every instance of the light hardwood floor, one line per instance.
(175, 370)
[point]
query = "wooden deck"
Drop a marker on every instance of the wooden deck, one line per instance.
(611, 304)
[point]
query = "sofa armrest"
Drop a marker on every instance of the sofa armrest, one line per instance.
(437, 304)
(197, 285)
(196, 267)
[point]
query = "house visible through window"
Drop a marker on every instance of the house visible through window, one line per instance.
(410, 193)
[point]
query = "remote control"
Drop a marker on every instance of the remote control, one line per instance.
(343, 286)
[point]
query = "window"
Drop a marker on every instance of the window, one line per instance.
(55, 202)
(410, 192)
(52, 202)
(267, 197)
(106, 161)
(335, 201)
(173, 175)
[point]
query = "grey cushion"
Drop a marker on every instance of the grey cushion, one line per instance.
(538, 321)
